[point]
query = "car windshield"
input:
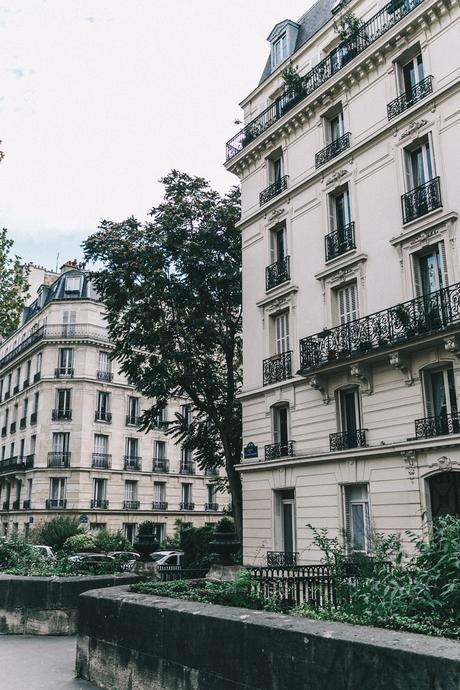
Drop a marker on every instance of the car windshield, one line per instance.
(158, 556)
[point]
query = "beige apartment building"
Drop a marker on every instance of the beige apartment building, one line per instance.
(69, 425)
(350, 200)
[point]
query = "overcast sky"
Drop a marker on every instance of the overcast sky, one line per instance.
(100, 98)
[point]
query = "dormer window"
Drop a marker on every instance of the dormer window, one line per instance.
(72, 284)
(283, 40)
(279, 50)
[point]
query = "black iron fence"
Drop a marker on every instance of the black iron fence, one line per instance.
(421, 200)
(273, 190)
(308, 584)
(277, 368)
(273, 451)
(442, 425)
(410, 97)
(332, 150)
(277, 273)
(170, 573)
(344, 440)
(340, 241)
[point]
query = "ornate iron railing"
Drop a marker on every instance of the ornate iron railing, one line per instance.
(26, 504)
(277, 273)
(13, 464)
(58, 459)
(132, 420)
(160, 465)
(282, 559)
(187, 468)
(340, 241)
(445, 424)
(211, 472)
(61, 415)
(102, 416)
(211, 506)
(132, 463)
(187, 506)
(159, 505)
(99, 503)
(63, 372)
(345, 440)
(421, 200)
(131, 505)
(375, 27)
(273, 190)
(273, 451)
(389, 327)
(409, 98)
(55, 503)
(277, 368)
(33, 418)
(101, 460)
(332, 150)
(104, 376)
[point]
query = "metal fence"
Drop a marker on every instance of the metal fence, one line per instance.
(311, 584)
(169, 573)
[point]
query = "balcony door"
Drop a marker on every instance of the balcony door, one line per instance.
(101, 444)
(285, 521)
(132, 448)
(68, 320)
(63, 402)
(339, 209)
(276, 170)
(419, 165)
(61, 442)
(349, 411)
(440, 396)
(57, 491)
(280, 425)
(336, 128)
(412, 73)
(347, 303)
(430, 270)
(99, 491)
(445, 494)
(278, 245)
(357, 524)
(65, 360)
(282, 340)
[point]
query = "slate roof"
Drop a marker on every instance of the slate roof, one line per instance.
(57, 291)
(316, 17)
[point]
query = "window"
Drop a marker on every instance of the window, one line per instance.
(445, 494)
(101, 444)
(22, 449)
(284, 527)
(339, 209)
(57, 492)
(25, 408)
(275, 164)
(68, 321)
(336, 129)
(105, 364)
(278, 244)
(160, 450)
(440, 395)
(347, 303)
(33, 443)
(72, 284)
(132, 448)
(3, 452)
(279, 50)
(130, 491)
(99, 493)
(282, 340)
(18, 376)
(97, 526)
(159, 492)
(130, 531)
(36, 401)
(186, 493)
(103, 407)
(65, 361)
(411, 73)
(186, 412)
(357, 526)
(63, 403)
(419, 164)
(211, 493)
(61, 442)
(430, 270)
(29, 489)
(161, 416)
(280, 426)
(38, 363)
(349, 410)
(12, 450)
(133, 410)
(28, 369)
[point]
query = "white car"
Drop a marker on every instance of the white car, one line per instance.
(45, 551)
(167, 557)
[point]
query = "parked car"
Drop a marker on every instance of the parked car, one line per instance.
(126, 559)
(168, 557)
(45, 551)
(91, 560)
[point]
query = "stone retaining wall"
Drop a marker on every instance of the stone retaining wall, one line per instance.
(128, 640)
(47, 605)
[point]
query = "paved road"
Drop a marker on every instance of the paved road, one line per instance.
(38, 663)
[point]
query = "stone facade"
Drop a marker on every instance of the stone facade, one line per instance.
(70, 439)
(349, 225)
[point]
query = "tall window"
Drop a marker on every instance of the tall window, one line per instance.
(186, 412)
(36, 401)
(65, 361)
(334, 126)
(130, 491)
(61, 443)
(99, 493)
(22, 448)
(339, 209)
(33, 443)
(357, 525)
(275, 168)
(440, 395)
(278, 244)
(101, 444)
(57, 492)
(284, 528)
(349, 410)
(282, 340)
(132, 448)
(347, 303)
(159, 492)
(279, 50)
(211, 493)
(63, 403)
(430, 270)
(133, 410)
(281, 426)
(160, 450)
(186, 461)
(105, 363)
(68, 320)
(412, 73)
(419, 164)
(186, 493)
(18, 377)
(28, 369)
(103, 406)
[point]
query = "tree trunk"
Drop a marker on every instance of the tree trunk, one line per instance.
(234, 481)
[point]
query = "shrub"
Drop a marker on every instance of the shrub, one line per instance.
(146, 528)
(111, 541)
(225, 525)
(80, 542)
(54, 532)
(194, 542)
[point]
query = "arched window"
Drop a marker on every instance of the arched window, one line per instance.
(445, 494)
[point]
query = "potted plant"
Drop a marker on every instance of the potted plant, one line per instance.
(225, 542)
(146, 540)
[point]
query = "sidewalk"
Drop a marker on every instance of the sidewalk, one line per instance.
(39, 663)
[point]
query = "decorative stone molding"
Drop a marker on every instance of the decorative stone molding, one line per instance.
(364, 377)
(413, 127)
(452, 345)
(444, 464)
(410, 458)
(402, 363)
(336, 177)
(276, 214)
(319, 383)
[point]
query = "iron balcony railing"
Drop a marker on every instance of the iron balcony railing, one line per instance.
(413, 319)
(63, 372)
(344, 440)
(58, 459)
(53, 503)
(13, 428)
(16, 389)
(101, 503)
(187, 506)
(26, 504)
(13, 464)
(104, 376)
(277, 273)
(4, 430)
(340, 241)
(371, 31)
(187, 468)
(273, 190)
(102, 461)
(132, 420)
(23, 423)
(421, 200)
(159, 505)
(33, 418)
(7, 395)
(25, 384)
(444, 424)
(274, 451)
(61, 415)
(131, 505)
(210, 507)
(410, 97)
(132, 462)
(335, 148)
(160, 465)
(103, 416)
(282, 559)
(211, 472)
(277, 368)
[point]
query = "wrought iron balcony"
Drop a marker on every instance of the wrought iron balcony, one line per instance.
(187, 467)
(25, 384)
(132, 462)
(282, 559)
(7, 395)
(105, 376)
(387, 328)
(340, 241)
(101, 503)
(16, 504)
(211, 472)
(273, 190)
(159, 505)
(13, 464)
(277, 368)
(63, 373)
(6, 505)
(160, 465)
(445, 424)
(102, 461)
(4, 430)
(410, 97)
(132, 420)
(13, 428)
(54, 503)
(26, 504)
(103, 416)
(61, 415)
(277, 273)
(37, 376)
(344, 440)
(274, 451)
(131, 505)
(58, 459)
(421, 200)
(30, 461)
(371, 31)
(16, 389)
(187, 506)
(33, 418)
(23, 423)
(332, 150)
(211, 507)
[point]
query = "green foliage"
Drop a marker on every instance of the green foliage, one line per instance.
(13, 285)
(292, 79)
(84, 542)
(225, 525)
(348, 27)
(55, 532)
(111, 541)
(172, 292)
(146, 528)
(194, 542)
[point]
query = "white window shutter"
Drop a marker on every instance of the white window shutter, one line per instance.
(282, 333)
(347, 300)
(418, 288)
(443, 261)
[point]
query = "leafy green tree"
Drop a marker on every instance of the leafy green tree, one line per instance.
(172, 290)
(56, 531)
(13, 285)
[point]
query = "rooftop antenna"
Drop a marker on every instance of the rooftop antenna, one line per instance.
(57, 262)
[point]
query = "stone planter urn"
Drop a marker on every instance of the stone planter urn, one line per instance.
(225, 544)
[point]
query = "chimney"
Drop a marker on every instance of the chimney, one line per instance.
(69, 266)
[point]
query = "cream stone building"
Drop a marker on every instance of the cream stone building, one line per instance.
(350, 198)
(70, 443)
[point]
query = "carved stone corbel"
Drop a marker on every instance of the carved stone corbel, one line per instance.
(403, 364)
(319, 383)
(410, 458)
(444, 463)
(364, 377)
(452, 345)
